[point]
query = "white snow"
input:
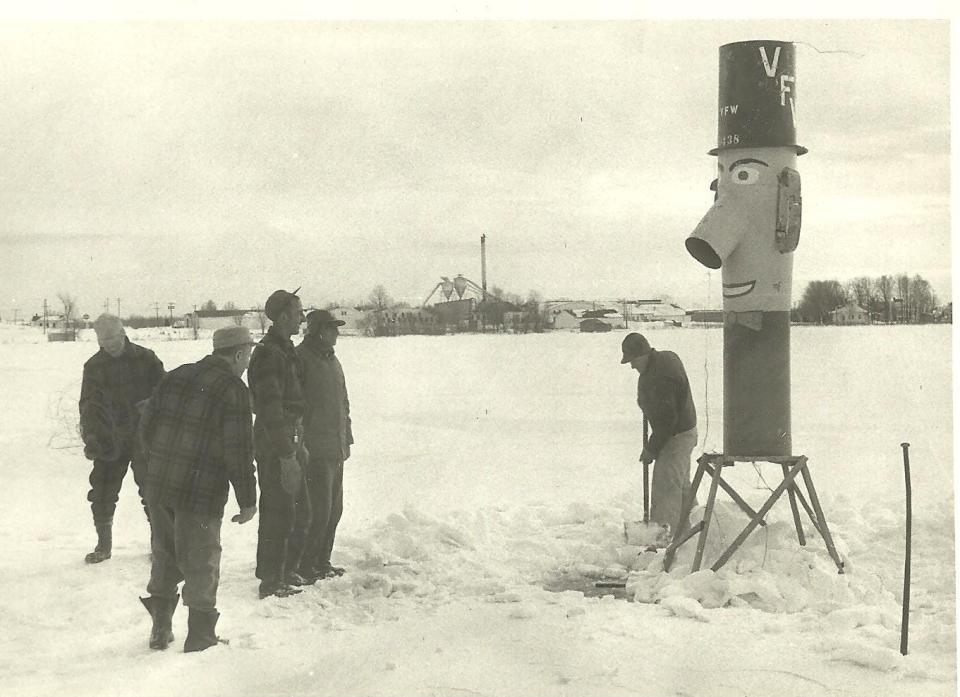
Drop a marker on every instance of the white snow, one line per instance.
(489, 490)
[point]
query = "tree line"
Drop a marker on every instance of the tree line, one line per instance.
(894, 298)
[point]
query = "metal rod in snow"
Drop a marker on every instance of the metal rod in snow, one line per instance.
(905, 621)
(646, 474)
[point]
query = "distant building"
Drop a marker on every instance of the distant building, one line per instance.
(354, 318)
(568, 314)
(851, 313)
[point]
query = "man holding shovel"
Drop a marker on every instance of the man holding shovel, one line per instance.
(663, 394)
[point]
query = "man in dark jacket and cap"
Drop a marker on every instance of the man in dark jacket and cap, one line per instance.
(116, 379)
(198, 432)
(663, 394)
(275, 386)
(328, 435)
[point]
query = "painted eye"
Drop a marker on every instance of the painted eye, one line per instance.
(744, 174)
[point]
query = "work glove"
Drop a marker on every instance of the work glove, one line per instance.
(646, 457)
(290, 474)
(245, 514)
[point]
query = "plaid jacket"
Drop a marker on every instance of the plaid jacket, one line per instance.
(274, 376)
(197, 432)
(111, 389)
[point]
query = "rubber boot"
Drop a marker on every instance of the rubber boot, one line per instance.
(161, 610)
(201, 632)
(104, 547)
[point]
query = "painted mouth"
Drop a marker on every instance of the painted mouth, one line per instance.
(738, 290)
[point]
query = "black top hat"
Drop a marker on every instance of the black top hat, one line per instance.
(758, 96)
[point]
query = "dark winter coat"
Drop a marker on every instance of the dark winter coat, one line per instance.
(274, 378)
(110, 392)
(327, 428)
(197, 430)
(663, 393)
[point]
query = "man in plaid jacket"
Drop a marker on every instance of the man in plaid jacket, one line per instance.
(198, 433)
(275, 386)
(116, 379)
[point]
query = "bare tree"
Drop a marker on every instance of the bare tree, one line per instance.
(922, 297)
(69, 307)
(261, 317)
(884, 293)
(229, 305)
(209, 306)
(861, 291)
(820, 298)
(379, 299)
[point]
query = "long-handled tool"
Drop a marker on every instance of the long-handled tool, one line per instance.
(646, 475)
(905, 621)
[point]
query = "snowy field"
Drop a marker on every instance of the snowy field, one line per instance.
(488, 491)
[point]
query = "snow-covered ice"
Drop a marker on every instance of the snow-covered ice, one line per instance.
(488, 492)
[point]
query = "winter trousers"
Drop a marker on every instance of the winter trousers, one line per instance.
(185, 547)
(325, 488)
(671, 478)
(283, 525)
(106, 479)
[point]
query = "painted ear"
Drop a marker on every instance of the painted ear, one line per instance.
(789, 207)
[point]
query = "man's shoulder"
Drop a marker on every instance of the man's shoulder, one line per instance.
(94, 361)
(142, 352)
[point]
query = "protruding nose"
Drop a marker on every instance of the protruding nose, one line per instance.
(717, 234)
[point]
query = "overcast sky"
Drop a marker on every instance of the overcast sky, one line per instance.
(176, 162)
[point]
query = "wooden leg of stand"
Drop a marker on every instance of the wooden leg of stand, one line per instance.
(707, 515)
(824, 530)
(793, 507)
(678, 536)
(787, 481)
(744, 506)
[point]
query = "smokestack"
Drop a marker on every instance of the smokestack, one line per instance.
(483, 264)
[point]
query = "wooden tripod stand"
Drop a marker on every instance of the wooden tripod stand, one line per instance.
(713, 464)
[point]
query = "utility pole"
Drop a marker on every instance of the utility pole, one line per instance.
(106, 305)
(118, 308)
(156, 312)
(44, 315)
(170, 307)
(195, 323)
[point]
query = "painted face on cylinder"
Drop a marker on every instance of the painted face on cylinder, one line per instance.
(739, 232)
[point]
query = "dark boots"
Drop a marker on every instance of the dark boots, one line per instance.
(201, 632)
(104, 547)
(161, 610)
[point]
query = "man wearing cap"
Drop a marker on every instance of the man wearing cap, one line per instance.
(663, 394)
(328, 436)
(116, 379)
(198, 431)
(278, 444)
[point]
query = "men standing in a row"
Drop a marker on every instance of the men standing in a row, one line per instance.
(115, 381)
(278, 445)
(198, 433)
(328, 436)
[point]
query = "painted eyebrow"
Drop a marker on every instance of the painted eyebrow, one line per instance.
(748, 161)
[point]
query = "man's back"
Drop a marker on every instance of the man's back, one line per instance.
(197, 430)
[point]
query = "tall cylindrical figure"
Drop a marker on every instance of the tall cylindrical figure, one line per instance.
(751, 232)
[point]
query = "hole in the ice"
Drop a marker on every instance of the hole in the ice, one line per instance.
(561, 582)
